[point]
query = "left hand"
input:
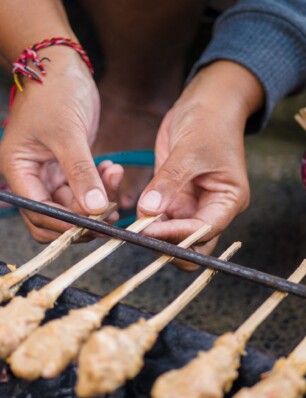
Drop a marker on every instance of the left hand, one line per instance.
(200, 172)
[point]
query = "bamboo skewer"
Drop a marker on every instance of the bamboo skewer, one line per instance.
(300, 117)
(10, 283)
(298, 357)
(213, 372)
(23, 314)
(285, 380)
(55, 345)
(160, 320)
(112, 356)
(58, 285)
(245, 331)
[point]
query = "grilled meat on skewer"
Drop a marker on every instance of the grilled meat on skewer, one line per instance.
(284, 381)
(219, 366)
(111, 356)
(20, 317)
(61, 337)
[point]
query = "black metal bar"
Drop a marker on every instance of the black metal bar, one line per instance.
(158, 245)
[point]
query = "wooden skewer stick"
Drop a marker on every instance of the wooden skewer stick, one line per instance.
(298, 357)
(301, 118)
(220, 364)
(170, 312)
(56, 344)
(118, 294)
(250, 325)
(23, 314)
(10, 283)
(112, 355)
(58, 285)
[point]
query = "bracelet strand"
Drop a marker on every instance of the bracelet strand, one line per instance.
(21, 68)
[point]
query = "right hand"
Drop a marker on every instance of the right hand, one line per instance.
(45, 152)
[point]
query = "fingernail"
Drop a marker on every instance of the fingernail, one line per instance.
(151, 201)
(115, 181)
(95, 200)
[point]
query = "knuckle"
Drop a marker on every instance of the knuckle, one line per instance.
(80, 169)
(173, 174)
(245, 198)
(35, 219)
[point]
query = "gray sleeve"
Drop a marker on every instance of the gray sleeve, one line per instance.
(268, 37)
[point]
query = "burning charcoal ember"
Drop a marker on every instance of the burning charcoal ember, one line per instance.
(4, 374)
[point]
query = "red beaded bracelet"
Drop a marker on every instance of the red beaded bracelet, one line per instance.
(20, 66)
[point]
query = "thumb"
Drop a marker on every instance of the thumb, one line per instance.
(82, 175)
(170, 179)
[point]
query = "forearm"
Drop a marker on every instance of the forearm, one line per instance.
(268, 38)
(226, 89)
(25, 22)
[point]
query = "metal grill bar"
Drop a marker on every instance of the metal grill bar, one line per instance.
(158, 245)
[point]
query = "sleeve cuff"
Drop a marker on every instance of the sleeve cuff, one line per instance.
(271, 46)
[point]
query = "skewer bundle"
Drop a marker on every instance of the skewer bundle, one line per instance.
(10, 283)
(213, 372)
(112, 356)
(52, 347)
(286, 379)
(23, 314)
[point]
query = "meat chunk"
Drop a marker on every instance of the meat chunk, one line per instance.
(112, 356)
(284, 381)
(19, 318)
(52, 347)
(209, 375)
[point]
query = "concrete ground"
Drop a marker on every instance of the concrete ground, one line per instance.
(273, 232)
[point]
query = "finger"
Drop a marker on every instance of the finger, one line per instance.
(174, 230)
(218, 209)
(23, 178)
(82, 175)
(41, 235)
(206, 249)
(111, 175)
(64, 196)
(169, 180)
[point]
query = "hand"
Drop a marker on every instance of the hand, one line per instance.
(200, 173)
(45, 153)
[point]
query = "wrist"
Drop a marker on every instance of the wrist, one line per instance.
(57, 57)
(228, 86)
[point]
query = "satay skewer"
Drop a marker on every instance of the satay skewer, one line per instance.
(23, 314)
(212, 373)
(111, 356)
(285, 380)
(10, 283)
(53, 346)
(300, 117)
